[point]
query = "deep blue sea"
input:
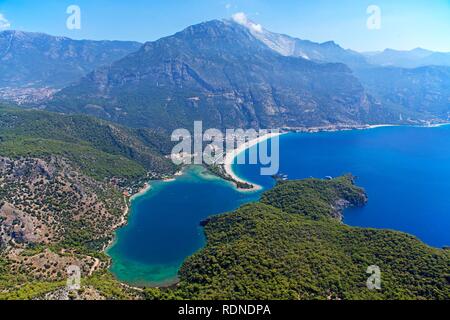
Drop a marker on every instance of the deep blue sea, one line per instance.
(405, 171)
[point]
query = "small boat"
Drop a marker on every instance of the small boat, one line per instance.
(280, 176)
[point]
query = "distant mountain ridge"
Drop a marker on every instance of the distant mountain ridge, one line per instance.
(39, 60)
(331, 52)
(424, 92)
(409, 59)
(319, 52)
(414, 86)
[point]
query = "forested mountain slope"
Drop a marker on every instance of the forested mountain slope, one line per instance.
(218, 72)
(62, 184)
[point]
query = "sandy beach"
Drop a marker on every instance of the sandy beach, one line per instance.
(375, 126)
(431, 125)
(178, 174)
(141, 192)
(231, 155)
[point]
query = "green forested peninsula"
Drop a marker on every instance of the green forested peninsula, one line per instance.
(291, 245)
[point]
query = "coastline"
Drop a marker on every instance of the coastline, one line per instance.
(141, 192)
(128, 199)
(231, 156)
(122, 222)
(228, 162)
(335, 128)
(171, 179)
(124, 218)
(125, 215)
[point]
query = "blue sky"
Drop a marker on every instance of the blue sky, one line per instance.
(405, 24)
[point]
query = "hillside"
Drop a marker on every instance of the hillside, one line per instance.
(60, 218)
(39, 60)
(220, 73)
(34, 65)
(100, 149)
(423, 91)
(62, 180)
(291, 246)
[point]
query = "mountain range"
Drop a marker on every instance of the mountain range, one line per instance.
(411, 85)
(228, 74)
(408, 59)
(220, 73)
(34, 59)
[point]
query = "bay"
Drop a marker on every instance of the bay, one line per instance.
(405, 171)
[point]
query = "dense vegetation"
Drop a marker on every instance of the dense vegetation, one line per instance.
(263, 252)
(314, 198)
(100, 285)
(219, 171)
(100, 149)
(62, 180)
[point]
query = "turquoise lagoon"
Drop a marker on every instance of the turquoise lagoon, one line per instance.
(405, 171)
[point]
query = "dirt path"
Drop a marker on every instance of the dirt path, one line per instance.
(94, 266)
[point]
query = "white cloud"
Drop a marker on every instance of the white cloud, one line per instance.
(241, 18)
(256, 27)
(228, 6)
(4, 23)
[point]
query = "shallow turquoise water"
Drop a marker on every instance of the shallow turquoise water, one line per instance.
(405, 171)
(164, 226)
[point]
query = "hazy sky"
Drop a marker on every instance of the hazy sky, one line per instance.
(405, 24)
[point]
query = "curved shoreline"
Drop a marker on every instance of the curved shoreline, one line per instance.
(147, 187)
(233, 154)
(228, 167)
(128, 199)
(127, 215)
